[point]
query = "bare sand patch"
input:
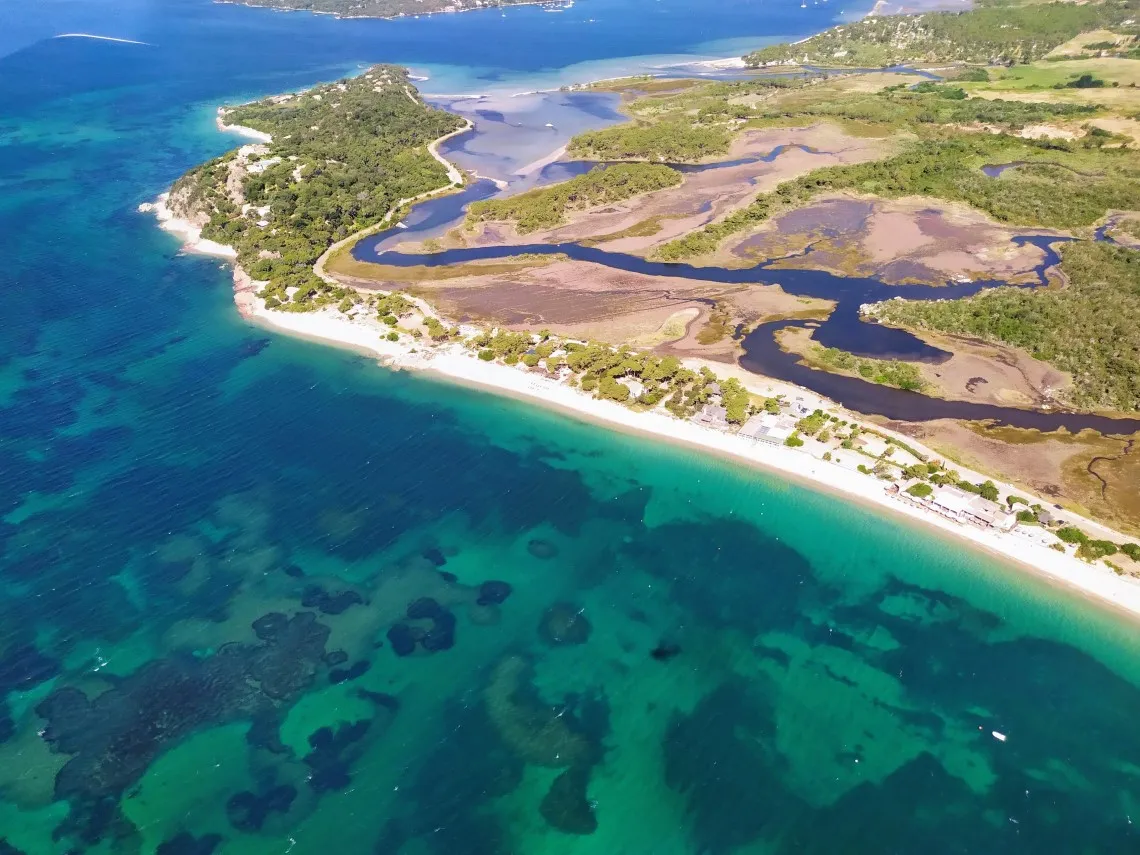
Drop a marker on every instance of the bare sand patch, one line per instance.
(1118, 125)
(1078, 45)
(702, 197)
(915, 239)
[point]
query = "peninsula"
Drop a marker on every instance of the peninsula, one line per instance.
(799, 205)
(384, 8)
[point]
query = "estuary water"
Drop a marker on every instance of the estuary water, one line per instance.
(261, 596)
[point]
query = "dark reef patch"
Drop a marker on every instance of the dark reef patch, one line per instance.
(248, 811)
(564, 623)
(332, 755)
(185, 843)
(566, 805)
(493, 593)
(401, 639)
(542, 549)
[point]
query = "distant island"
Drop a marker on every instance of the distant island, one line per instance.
(1022, 174)
(385, 8)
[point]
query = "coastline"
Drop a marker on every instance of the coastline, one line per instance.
(340, 17)
(453, 363)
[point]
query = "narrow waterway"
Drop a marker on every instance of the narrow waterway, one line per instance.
(844, 328)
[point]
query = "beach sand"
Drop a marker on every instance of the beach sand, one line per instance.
(1027, 549)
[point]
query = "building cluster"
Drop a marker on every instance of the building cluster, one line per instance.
(960, 506)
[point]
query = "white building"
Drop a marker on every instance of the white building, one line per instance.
(768, 428)
(959, 505)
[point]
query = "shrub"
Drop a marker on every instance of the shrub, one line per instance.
(390, 320)
(1131, 550)
(393, 336)
(1027, 516)
(487, 355)
(920, 491)
(989, 490)
(1094, 549)
(793, 441)
(1071, 534)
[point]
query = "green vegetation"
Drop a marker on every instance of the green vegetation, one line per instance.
(1055, 188)
(920, 491)
(1083, 81)
(813, 424)
(380, 8)
(994, 33)
(736, 400)
(343, 155)
(679, 140)
(1088, 328)
(546, 207)
(901, 375)
(716, 328)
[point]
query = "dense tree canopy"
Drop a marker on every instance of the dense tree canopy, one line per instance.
(342, 156)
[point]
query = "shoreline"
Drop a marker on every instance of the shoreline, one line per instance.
(397, 17)
(454, 364)
(1027, 550)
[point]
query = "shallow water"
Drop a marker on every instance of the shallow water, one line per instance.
(169, 476)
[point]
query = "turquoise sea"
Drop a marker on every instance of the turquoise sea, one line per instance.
(261, 596)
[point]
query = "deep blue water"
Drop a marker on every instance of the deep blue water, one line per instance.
(216, 543)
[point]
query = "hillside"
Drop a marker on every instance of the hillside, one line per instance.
(995, 33)
(343, 155)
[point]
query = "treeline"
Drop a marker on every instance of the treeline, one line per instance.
(994, 34)
(679, 140)
(546, 207)
(342, 156)
(887, 372)
(1089, 328)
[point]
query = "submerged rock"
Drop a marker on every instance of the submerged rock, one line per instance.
(435, 556)
(542, 549)
(248, 811)
(181, 844)
(441, 636)
(332, 755)
(665, 651)
(566, 806)
(493, 593)
(564, 623)
(424, 607)
(402, 640)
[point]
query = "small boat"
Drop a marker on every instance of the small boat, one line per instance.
(1000, 737)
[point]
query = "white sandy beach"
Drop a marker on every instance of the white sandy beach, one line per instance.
(242, 130)
(1028, 549)
(191, 235)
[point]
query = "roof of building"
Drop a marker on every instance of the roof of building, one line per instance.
(767, 426)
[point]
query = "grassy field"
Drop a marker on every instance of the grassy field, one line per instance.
(341, 263)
